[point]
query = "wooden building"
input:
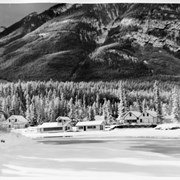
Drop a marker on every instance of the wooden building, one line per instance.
(148, 117)
(91, 125)
(136, 117)
(16, 122)
(63, 124)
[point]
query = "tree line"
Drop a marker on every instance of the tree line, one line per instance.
(44, 101)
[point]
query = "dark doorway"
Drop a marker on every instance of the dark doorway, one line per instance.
(101, 127)
(84, 128)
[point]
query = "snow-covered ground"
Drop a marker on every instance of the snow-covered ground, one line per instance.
(168, 126)
(121, 153)
(136, 132)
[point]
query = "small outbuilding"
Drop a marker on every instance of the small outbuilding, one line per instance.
(91, 125)
(16, 122)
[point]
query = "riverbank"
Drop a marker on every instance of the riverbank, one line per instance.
(134, 133)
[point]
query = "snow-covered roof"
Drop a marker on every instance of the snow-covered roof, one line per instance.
(50, 124)
(85, 119)
(53, 124)
(63, 118)
(136, 113)
(19, 118)
(89, 123)
(152, 113)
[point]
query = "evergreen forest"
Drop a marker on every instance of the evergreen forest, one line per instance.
(40, 101)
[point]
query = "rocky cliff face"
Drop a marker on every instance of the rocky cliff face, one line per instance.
(93, 42)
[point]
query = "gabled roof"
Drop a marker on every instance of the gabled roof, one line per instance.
(63, 118)
(89, 123)
(152, 113)
(19, 118)
(53, 124)
(135, 113)
(49, 124)
(86, 119)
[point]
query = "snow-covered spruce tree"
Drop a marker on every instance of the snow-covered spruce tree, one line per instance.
(56, 107)
(164, 109)
(33, 112)
(5, 106)
(95, 109)
(27, 113)
(79, 110)
(122, 107)
(14, 105)
(144, 105)
(104, 108)
(71, 108)
(109, 111)
(175, 106)
(91, 115)
(157, 102)
(51, 111)
(97, 103)
(139, 104)
(125, 96)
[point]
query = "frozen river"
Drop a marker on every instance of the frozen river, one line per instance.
(77, 158)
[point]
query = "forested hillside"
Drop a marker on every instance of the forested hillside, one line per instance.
(45, 101)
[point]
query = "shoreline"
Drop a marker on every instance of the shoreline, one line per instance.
(116, 152)
(116, 133)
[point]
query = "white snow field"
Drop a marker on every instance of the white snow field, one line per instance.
(121, 153)
(168, 126)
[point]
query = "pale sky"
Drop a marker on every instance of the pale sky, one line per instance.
(11, 13)
(15, 10)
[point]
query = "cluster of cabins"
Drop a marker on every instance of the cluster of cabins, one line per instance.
(63, 124)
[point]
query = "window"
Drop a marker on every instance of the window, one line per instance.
(137, 118)
(15, 120)
(147, 114)
(80, 127)
(130, 114)
(53, 129)
(140, 120)
(91, 127)
(143, 114)
(131, 121)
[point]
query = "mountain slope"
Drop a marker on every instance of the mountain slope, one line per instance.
(93, 42)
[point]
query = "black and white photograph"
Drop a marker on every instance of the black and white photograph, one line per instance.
(89, 90)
